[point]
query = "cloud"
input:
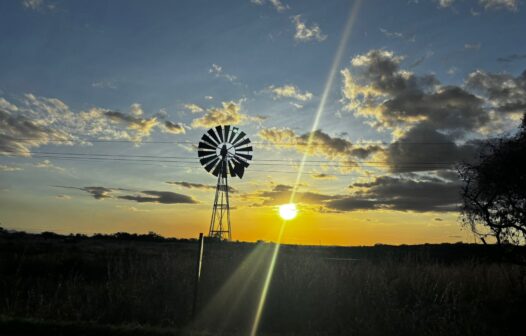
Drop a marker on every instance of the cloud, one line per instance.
(334, 148)
(511, 5)
(280, 194)
(36, 121)
(306, 33)
(423, 148)
(323, 176)
(105, 84)
(148, 196)
(504, 92)
(190, 185)
(162, 197)
(218, 72)
(399, 98)
(97, 193)
(397, 35)
(9, 168)
(511, 58)
(63, 197)
(33, 4)
(418, 194)
(445, 3)
(229, 113)
(474, 46)
(194, 108)
(277, 4)
(290, 91)
(175, 128)
(46, 164)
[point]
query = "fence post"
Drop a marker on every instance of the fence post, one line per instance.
(198, 265)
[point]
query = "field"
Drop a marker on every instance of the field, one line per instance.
(144, 285)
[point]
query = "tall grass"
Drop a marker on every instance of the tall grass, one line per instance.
(314, 290)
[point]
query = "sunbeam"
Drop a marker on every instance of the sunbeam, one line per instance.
(321, 107)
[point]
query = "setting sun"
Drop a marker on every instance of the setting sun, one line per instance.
(288, 211)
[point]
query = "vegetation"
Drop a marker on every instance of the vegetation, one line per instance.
(143, 285)
(494, 191)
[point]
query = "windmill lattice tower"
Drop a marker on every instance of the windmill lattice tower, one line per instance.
(224, 150)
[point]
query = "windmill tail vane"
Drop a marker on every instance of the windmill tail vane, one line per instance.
(223, 151)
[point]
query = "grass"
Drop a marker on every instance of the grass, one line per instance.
(63, 286)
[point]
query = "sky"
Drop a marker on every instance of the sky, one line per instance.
(102, 104)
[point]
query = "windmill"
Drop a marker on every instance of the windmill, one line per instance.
(224, 150)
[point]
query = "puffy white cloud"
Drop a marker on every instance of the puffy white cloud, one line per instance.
(290, 91)
(306, 33)
(511, 5)
(228, 114)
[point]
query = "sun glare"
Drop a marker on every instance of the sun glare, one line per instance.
(288, 211)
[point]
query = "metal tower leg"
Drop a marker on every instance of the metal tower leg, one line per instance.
(220, 221)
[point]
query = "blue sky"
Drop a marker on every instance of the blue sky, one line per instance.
(152, 61)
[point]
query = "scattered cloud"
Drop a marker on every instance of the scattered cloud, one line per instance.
(174, 128)
(228, 114)
(504, 92)
(445, 3)
(218, 72)
(511, 58)
(105, 84)
(397, 35)
(472, 46)
(290, 91)
(162, 197)
(323, 176)
(200, 186)
(194, 108)
(335, 148)
(46, 164)
(306, 33)
(63, 197)
(9, 168)
(511, 5)
(418, 194)
(277, 4)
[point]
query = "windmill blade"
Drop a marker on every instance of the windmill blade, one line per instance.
(240, 162)
(246, 149)
(231, 169)
(214, 136)
(233, 133)
(239, 137)
(217, 169)
(227, 132)
(247, 157)
(205, 160)
(211, 165)
(203, 154)
(204, 145)
(205, 138)
(219, 131)
(239, 170)
(242, 143)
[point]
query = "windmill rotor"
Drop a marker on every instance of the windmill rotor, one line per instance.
(225, 150)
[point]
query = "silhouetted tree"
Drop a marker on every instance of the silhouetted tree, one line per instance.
(494, 190)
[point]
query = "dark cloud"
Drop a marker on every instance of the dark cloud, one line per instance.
(504, 91)
(424, 148)
(511, 58)
(175, 128)
(403, 194)
(280, 194)
(163, 197)
(97, 193)
(191, 185)
(144, 125)
(323, 144)
(19, 133)
(323, 176)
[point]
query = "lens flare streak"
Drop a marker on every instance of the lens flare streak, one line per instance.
(321, 107)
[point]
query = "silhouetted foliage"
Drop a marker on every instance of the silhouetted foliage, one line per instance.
(494, 191)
